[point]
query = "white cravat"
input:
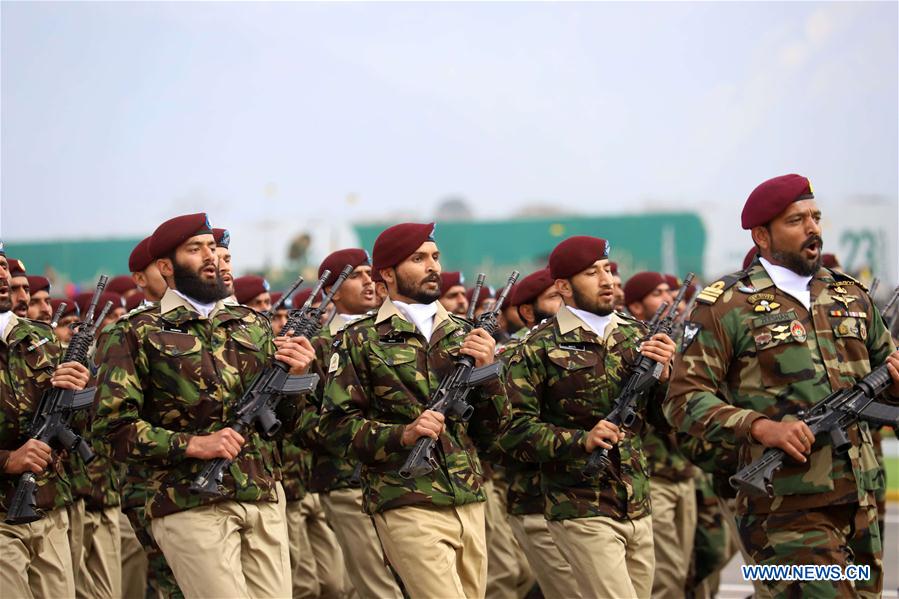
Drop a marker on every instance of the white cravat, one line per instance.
(594, 321)
(421, 315)
(4, 321)
(203, 309)
(789, 282)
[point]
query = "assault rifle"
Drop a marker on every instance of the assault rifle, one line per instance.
(643, 378)
(284, 297)
(449, 398)
(833, 415)
(475, 294)
(256, 408)
(51, 421)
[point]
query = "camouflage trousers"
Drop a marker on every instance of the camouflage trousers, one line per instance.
(834, 535)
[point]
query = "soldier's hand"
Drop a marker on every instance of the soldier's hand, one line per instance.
(70, 375)
(794, 437)
(480, 346)
(893, 368)
(33, 456)
(605, 435)
(225, 443)
(428, 424)
(661, 348)
(296, 352)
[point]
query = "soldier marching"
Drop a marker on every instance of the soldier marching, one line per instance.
(324, 504)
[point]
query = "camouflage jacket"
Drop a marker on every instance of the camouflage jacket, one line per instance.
(523, 495)
(167, 374)
(760, 353)
(563, 380)
(98, 482)
(666, 460)
(381, 378)
(29, 353)
(330, 471)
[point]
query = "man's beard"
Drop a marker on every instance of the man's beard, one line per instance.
(795, 260)
(590, 303)
(417, 291)
(540, 315)
(192, 285)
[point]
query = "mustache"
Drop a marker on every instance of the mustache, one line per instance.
(814, 239)
(434, 278)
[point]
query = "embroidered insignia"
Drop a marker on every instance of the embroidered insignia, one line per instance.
(798, 331)
(691, 329)
(36, 345)
(844, 299)
(766, 306)
(710, 294)
(763, 338)
(746, 289)
(335, 363)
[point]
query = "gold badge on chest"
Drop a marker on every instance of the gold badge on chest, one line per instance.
(763, 302)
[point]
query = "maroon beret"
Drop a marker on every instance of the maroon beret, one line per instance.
(299, 298)
(529, 288)
(486, 293)
(640, 285)
(140, 257)
(38, 283)
(337, 261)
(376, 276)
(248, 287)
(84, 300)
(673, 282)
(828, 260)
(71, 306)
(398, 242)
(276, 295)
(222, 238)
(175, 231)
(576, 254)
(749, 257)
(448, 280)
(121, 284)
(16, 267)
(134, 300)
(613, 266)
(772, 197)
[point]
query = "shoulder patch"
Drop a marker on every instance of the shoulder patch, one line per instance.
(335, 363)
(844, 279)
(712, 292)
(691, 329)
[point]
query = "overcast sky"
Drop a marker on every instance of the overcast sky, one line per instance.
(116, 116)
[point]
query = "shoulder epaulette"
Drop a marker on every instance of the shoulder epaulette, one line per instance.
(712, 292)
(141, 309)
(846, 279)
(627, 316)
(459, 320)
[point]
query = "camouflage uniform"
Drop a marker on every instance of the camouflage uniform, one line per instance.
(563, 380)
(166, 374)
(673, 505)
(381, 378)
(336, 481)
(524, 505)
(36, 556)
(760, 353)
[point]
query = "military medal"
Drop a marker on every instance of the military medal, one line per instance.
(844, 299)
(798, 331)
(763, 302)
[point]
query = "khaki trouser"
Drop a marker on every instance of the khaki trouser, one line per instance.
(303, 574)
(608, 557)
(100, 571)
(673, 529)
(330, 566)
(508, 574)
(35, 559)
(552, 571)
(228, 549)
(438, 552)
(370, 576)
(134, 561)
(76, 535)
